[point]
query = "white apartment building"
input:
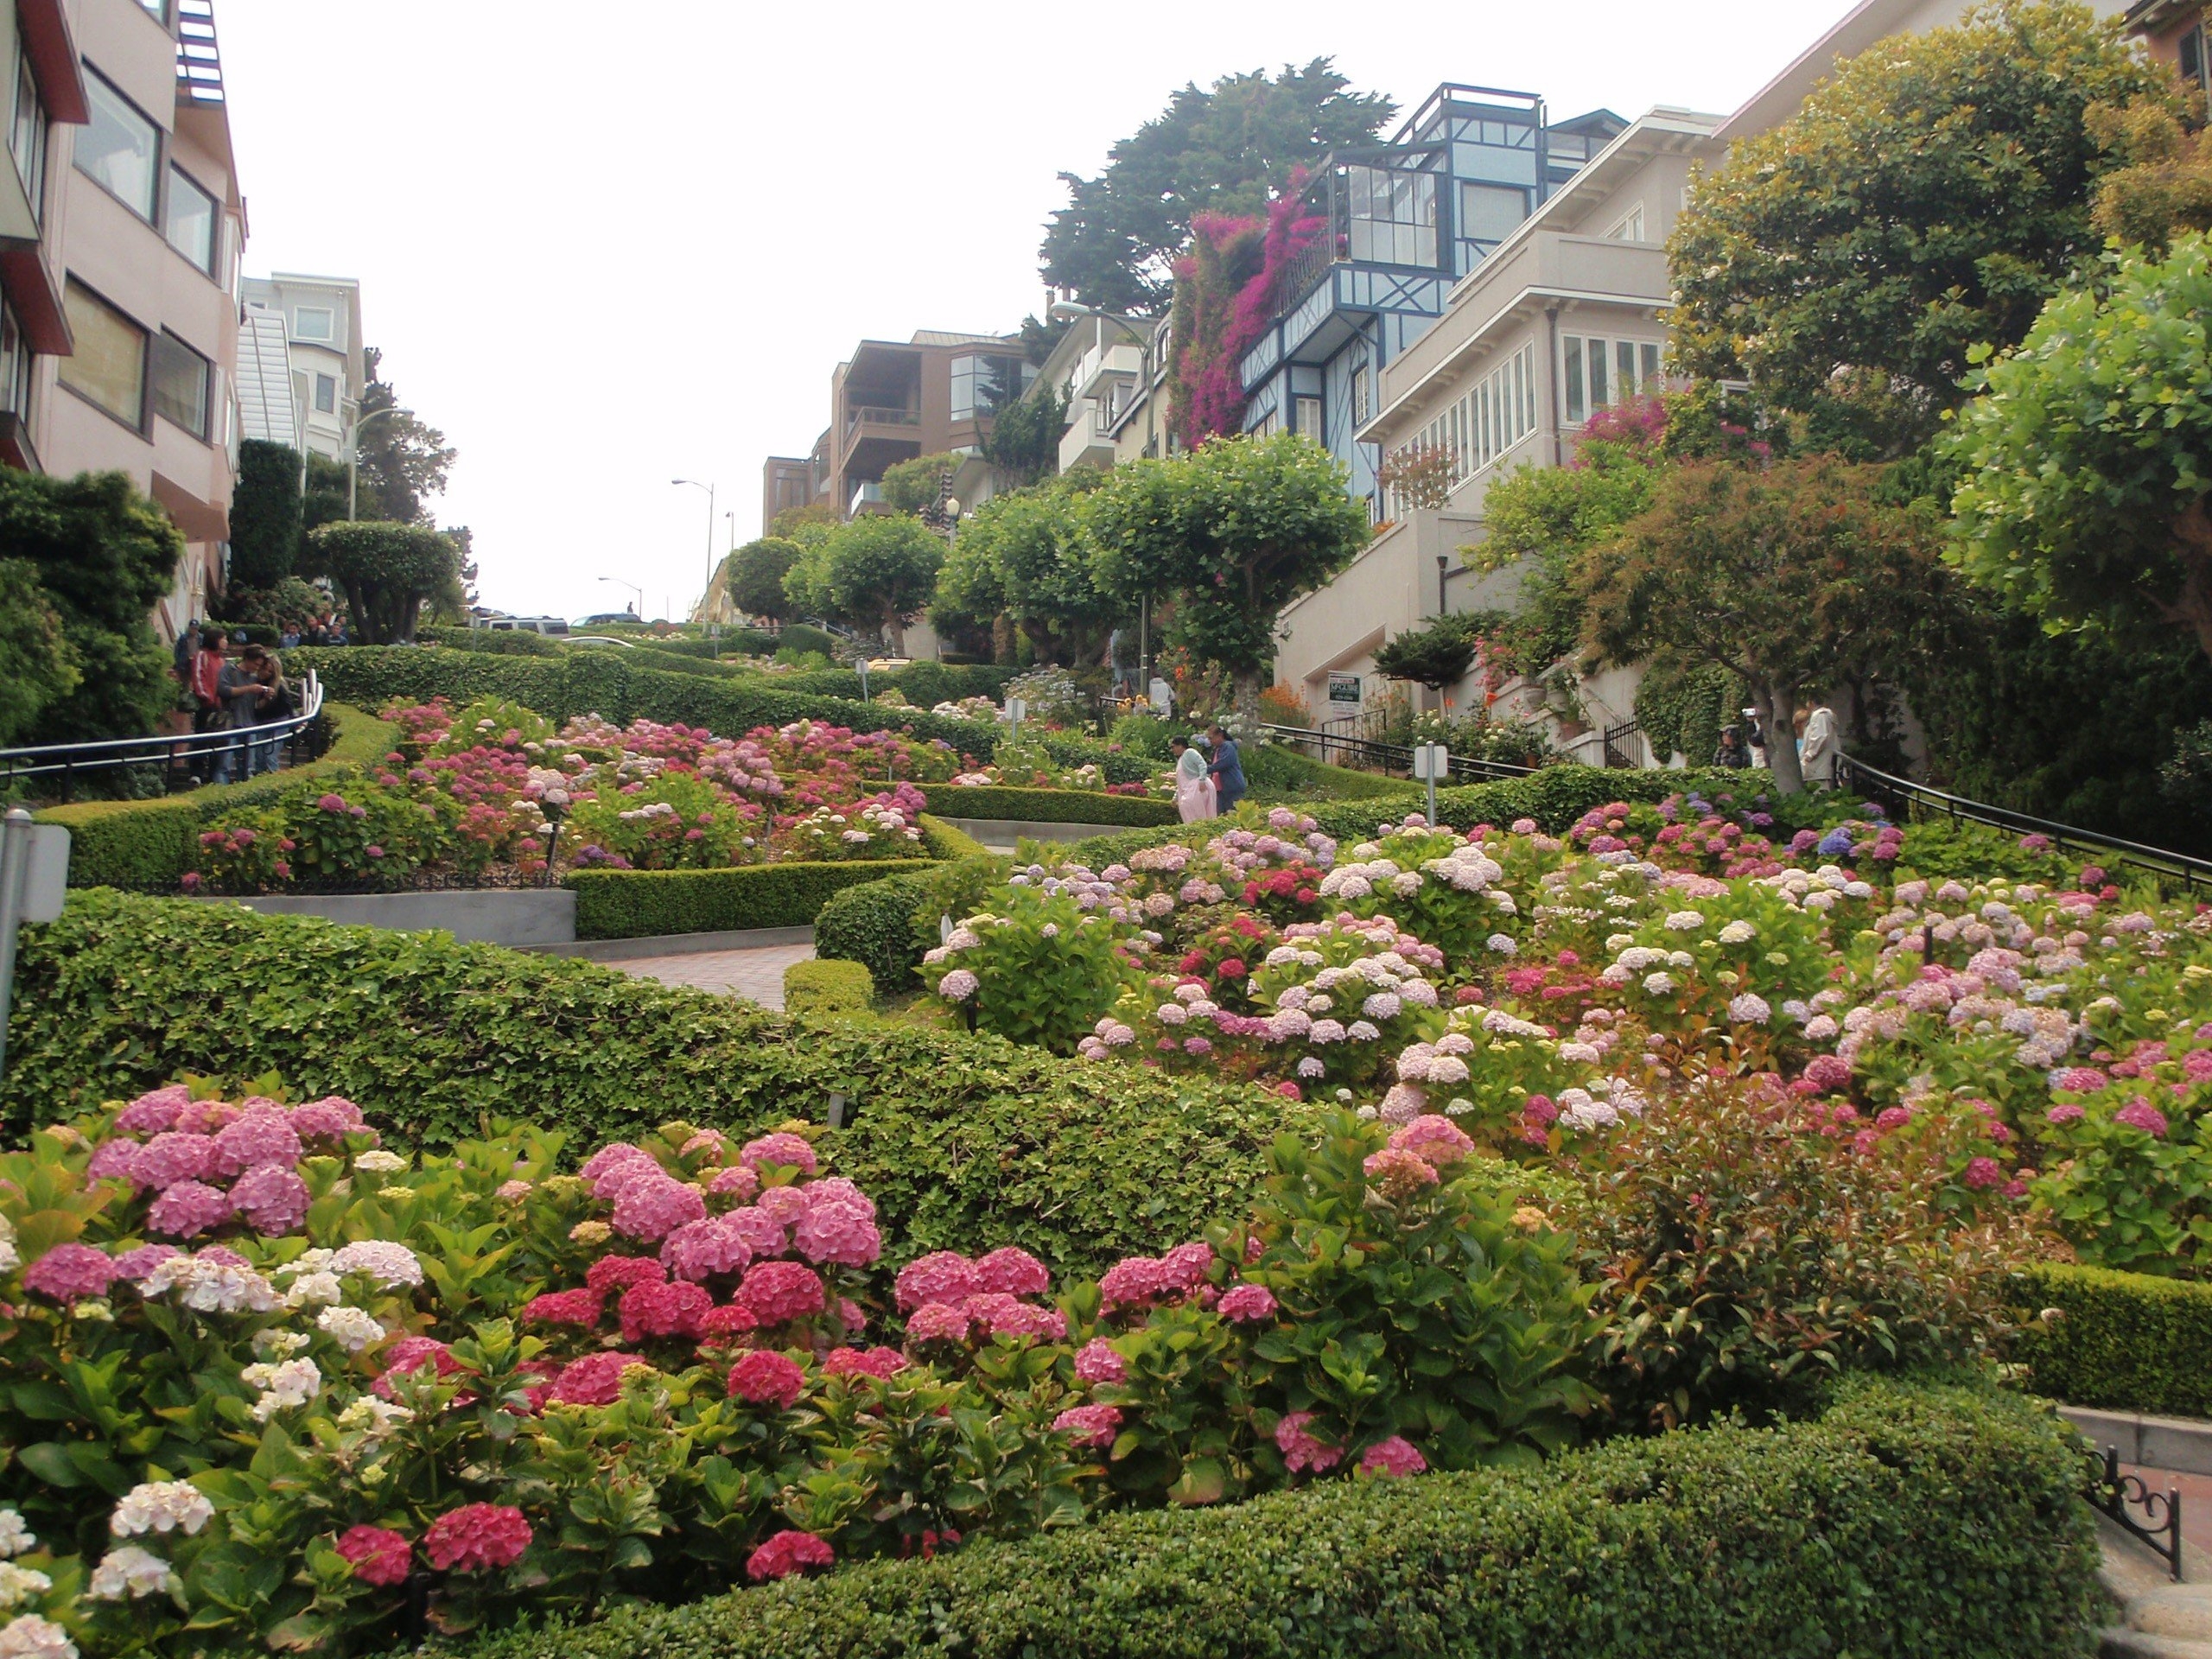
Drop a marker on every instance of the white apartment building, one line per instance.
(316, 322)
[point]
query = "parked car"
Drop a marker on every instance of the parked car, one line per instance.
(552, 625)
(600, 618)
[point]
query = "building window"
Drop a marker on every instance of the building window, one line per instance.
(192, 221)
(181, 381)
(1631, 229)
(315, 323)
(1491, 213)
(108, 367)
(120, 149)
(1393, 216)
(1601, 371)
(1265, 428)
(2189, 49)
(1309, 418)
(1362, 404)
(15, 367)
(299, 396)
(325, 394)
(158, 10)
(26, 135)
(983, 385)
(1492, 416)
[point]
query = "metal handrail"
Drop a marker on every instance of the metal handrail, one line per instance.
(1393, 756)
(166, 751)
(1902, 794)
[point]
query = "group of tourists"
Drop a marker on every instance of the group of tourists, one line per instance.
(1209, 774)
(1816, 739)
(235, 685)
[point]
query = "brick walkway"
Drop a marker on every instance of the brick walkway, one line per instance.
(751, 976)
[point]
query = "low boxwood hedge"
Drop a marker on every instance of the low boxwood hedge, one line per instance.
(147, 846)
(886, 925)
(1906, 1519)
(827, 988)
(646, 903)
(2122, 1341)
(963, 1142)
(1047, 805)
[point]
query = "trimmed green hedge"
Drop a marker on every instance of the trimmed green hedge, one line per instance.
(1047, 805)
(2123, 1341)
(886, 925)
(147, 846)
(827, 988)
(646, 904)
(945, 841)
(963, 1142)
(1907, 1520)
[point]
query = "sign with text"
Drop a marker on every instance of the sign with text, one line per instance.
(1344, 688)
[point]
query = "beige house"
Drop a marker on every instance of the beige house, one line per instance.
(316, 322)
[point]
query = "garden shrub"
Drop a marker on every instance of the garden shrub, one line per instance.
(804, 637)
(2123, 1341)
(1907, 1519)
(822, 987)
(945, 841)
(646, 903)
(500, 642)
(1047, 805)
(962, 1141)
(888, 925)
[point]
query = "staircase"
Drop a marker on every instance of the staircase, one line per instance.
(2158, 1619)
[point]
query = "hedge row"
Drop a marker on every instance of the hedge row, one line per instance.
(963, 1142)
(827, 988)
(1906, 1519)
(886, 925)
(647, 904)
(2123, 1341)
(1048, 806)
(147, 846)
(600, 682)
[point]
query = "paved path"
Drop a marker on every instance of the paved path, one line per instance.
(752, 975)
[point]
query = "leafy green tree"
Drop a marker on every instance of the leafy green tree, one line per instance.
(1232, 533)
(106, 556)
(756, 577)
(876, 572)
(2087, 459)
(323, 501)
(1223, 149)
(1024, 442)
(802, 524)
(402, 460)
(2165, 184)
(1436, 655)
(914, 486)
(266, 514)
(388, 572)
(1027, 555)
(1792, 577)
(37, 668)
(1924, 202)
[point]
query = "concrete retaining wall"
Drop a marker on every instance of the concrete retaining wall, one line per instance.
(476, 916)
(1004, 832)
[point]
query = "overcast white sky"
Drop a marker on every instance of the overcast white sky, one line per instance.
(607, 246)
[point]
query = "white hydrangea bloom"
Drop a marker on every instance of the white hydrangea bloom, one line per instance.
(372, 1416)
(380, 1162)
(208, 1287)
(1739, 932)
(127, 1570)
(19, 1584)
(278, 1345)
(314, 1290)
(390, 1264)
(161, 1506)
(33, 1638)
(15, 1537)
(283, 1387)
(10, 1258)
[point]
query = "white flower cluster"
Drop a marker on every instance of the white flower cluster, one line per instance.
(351, 1328)
(16, 1539)
(33, 1638)
(19, 1584)
(390, 1264)
(283, 1387)
(161, 1506)
(208, 1287)
(129, 1571)
(10, 1258)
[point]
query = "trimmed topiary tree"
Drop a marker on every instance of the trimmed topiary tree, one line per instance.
(388, 571)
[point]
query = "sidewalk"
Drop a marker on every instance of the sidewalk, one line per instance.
(754, 976)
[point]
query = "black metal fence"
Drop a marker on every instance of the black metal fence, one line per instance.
(135, 767)
(1903, 799)
(1369, 755)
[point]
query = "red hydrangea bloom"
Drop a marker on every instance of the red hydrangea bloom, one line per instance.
(272, 1199)
(380, 1556)
(651, 1209)
(663, 1311)
(857, 1362)
(726, 1325)
(1247, 1305)
(1392, 1458)
(938, 1322)
(1433, 1139)
(477, 1538)
(1087, 1427)
(1132, 1282)
(941, 1276)
(779, 1292)
(70, 1273)
(2140, 1114)
(765, 1378)
(1300, 1450)
(787, 1151)
(613, 1273)
(409, 1355)
(595, 1380)
(172, 1157)
(263, 1134)
(187, 1209)
(700, 1250)
(582, 1308)
(786, 1553)
(1096, 1363)
(836, 1233)
(1012, 1273)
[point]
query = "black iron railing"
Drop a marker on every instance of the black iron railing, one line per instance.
(158, 764)
(1366, 754)
(1620, 753)
(2122, 1496)
(1903, 799)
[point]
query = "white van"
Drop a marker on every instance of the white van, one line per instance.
(549, 624)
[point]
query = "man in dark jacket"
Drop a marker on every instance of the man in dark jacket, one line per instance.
(1227, 770)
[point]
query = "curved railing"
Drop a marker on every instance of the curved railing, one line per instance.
(1389, 757)
(170, 760)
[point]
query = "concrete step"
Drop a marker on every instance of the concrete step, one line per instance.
(2183, 1611)
(2118, 1642)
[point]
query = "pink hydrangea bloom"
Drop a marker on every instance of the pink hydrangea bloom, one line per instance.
(70, 1273)
(761, 1232)
(380, 1556)
(477, 1538)
(765, 1378)
(1246, 1305)
(188, 1209)
(512, 1192)
(332, 1118)
(595, 1380)
(941, 1276)
(1433, 1139)
(2080, 1080)
(134, 1265)
(858, 1362)
(206, 1116)
(582, 1308)
(789, 1151)
(1132, 1282)
(1393, 1458)
(736, 1178)
(2140, 1114)
(613, 1154)
(836, 1233)
(1398, 1174)
(155, 1110)
(652, 1210)
(1827, 1071)
(1300, 1450)
(850, 1316)
(1982, 1173)
(787, 1553)
(1895, 1117)
(1001, 1315)
(272, 1198)
(172, 1157)
(263, 1134)
(779, 1292)
(613, 1273)
(1186, 1267)
(938, 1322)
(663, 1311)
(835, 1189)
(784, 1204)
(1096, 1363)
(1089, 1427)
(111, 1161)
(700, 1250)
(1012, 1273)
(724, 1326)
(2067, 1112)
(706, 1140)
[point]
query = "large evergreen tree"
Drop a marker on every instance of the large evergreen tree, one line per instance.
(402, 460)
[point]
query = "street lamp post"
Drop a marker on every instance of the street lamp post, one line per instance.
(709, 489)
(633, 588)
(353, 457)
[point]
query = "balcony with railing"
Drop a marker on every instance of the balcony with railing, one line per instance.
(862, 415)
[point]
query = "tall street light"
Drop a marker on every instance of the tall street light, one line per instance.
(354, 456)
(709, 489)
(1142, 331)
(639, 612)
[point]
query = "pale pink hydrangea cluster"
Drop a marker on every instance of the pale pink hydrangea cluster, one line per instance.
(208, 1163)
